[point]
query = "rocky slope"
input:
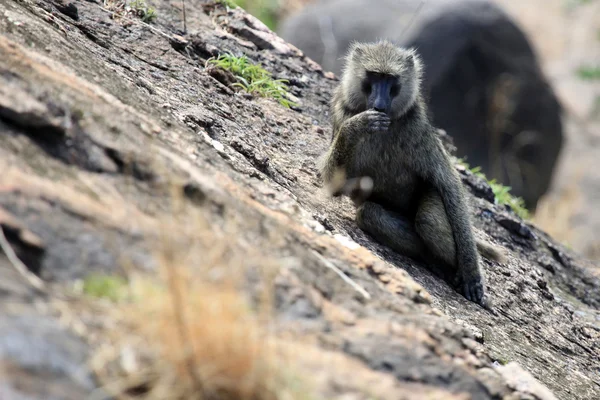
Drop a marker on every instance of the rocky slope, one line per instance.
(102, 119)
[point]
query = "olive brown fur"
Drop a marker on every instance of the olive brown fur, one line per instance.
(389, 159)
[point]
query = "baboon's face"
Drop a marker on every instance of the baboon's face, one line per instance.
(382, 77)
(380, 90)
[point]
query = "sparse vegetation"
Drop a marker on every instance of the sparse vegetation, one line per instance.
(142, 10)
(502, 361)
(137, 8)
(589, 72)
(502, 193)
(105, 286)
(253, 78)
(193, 332)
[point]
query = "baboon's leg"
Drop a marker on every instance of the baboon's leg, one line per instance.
(390, 229)
(431, 224)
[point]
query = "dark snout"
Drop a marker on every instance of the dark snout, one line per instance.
(381, 98)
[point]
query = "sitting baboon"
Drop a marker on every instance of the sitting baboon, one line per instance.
(394, 166)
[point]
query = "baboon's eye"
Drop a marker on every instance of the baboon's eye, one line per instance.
(366, 87)
(394, 90)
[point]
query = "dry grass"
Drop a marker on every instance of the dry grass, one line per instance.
(194, 332)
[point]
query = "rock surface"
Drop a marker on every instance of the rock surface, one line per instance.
(98, 115)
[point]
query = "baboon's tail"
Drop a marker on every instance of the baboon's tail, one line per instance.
(490, 251)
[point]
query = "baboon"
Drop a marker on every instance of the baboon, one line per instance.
(386, 155)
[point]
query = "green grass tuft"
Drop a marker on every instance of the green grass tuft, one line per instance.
(142, 10)
(109, 287)
(502, 193)
(503, 361)
(589, 72)
(253, 78)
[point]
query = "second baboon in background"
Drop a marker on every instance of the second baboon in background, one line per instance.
(385, 145)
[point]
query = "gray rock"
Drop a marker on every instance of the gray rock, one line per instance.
(41, 360)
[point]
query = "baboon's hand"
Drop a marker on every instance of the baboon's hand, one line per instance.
(366, 122)
(473, 290)
(472, 287)
(377, 121)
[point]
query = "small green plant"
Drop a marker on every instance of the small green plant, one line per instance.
(253, 78)
(502, 193)
(142, 10)
(105, 286)
(589, 72)
(503, 361)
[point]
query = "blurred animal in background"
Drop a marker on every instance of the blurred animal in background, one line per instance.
(482, 79)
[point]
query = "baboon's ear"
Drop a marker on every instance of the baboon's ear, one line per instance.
(356, 51)
(415, 60)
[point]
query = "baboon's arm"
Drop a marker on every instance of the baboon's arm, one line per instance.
(345, 137)
(438, 169)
